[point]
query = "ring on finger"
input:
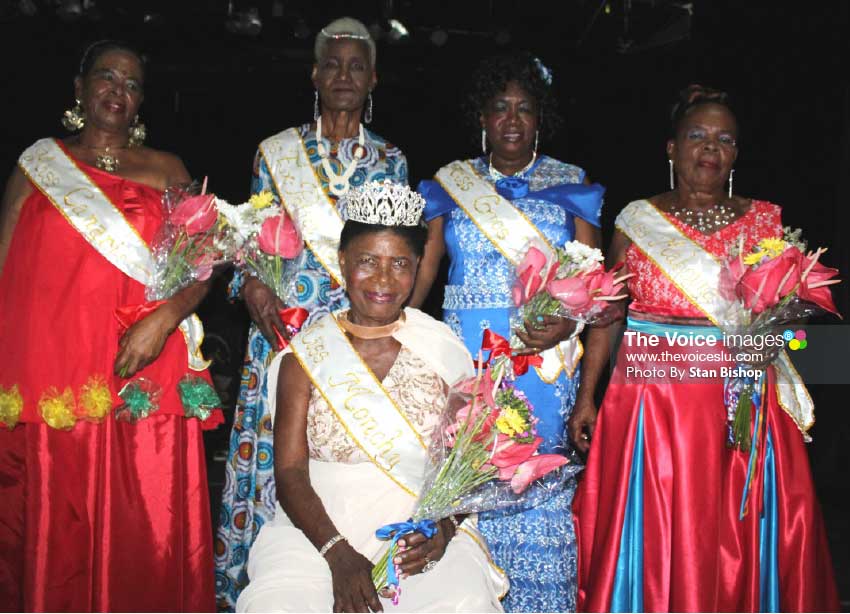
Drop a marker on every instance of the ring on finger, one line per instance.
(429, 565)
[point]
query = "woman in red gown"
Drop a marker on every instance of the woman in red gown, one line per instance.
(98, 514)
(660, 521)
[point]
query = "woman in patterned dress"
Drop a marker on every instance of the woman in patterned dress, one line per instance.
(512, 102)
(660, 515)
(344, 76)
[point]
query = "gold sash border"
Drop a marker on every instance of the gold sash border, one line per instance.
(90, 212)
(510, 231)
(303, 197)
(343, 379)
(666, 246)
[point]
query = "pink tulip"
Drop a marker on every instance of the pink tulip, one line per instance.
(533, 468)
(196, 214)
(533, 273)
(279, 237)
(572, 292)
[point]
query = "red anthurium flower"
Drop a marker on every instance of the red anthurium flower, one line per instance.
(533, 273)
(763, 286)
(195, 214)
(279, 237)
(572, 292)
(509, 453)
(533, 468)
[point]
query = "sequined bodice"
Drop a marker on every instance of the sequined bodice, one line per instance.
(653, 292)
(479, 276)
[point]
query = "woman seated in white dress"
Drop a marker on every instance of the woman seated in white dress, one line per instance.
(354, 400)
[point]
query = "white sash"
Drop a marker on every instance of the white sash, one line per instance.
(301, 193)
(361, 404)
(101, 224)
(510, 232)
(695, 273)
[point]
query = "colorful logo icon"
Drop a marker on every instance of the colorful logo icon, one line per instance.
(796, 339)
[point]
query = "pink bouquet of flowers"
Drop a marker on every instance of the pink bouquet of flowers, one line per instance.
(485, 456)
(571, 282)
(190, 243)
(775, 284)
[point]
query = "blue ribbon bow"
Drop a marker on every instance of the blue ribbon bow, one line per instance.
(396, 531)
(512, 187)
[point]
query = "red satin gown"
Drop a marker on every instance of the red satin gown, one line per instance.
(107, 516)
(697, 554)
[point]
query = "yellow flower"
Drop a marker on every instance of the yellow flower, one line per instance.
(95, 398)
(754, 258)
(773, 246)
(510, 422)
(261, 200)
(58, 409)
(11, 405)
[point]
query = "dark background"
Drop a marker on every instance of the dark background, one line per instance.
(213, 92)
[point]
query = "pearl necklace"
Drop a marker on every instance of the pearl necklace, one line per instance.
(713, 218)
(338, 184)
(497, 174)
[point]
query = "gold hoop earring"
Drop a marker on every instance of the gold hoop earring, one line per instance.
(138, 133)
(74, 118)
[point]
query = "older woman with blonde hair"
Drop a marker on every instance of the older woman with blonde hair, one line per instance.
(331, 154)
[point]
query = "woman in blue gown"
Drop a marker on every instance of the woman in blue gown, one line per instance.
(512, 101)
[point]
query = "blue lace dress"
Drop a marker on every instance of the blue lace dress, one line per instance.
(248, 499)
(536, 548)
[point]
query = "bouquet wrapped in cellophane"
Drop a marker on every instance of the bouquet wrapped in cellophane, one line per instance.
(186, 248)
(777, 283)
(569, 282)
(484, 456)
(270, 242)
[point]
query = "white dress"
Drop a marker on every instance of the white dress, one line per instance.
(287, 574)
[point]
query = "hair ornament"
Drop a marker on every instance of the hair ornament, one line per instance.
(338, 35)
(543, 71)
(383, 203)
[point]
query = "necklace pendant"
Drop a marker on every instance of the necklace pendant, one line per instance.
(107, 162)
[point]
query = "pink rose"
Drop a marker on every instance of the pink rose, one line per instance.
(279, 237)
(195, 214)
(730, 276)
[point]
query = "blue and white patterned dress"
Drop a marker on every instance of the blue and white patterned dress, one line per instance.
(536, 548)
(248, 499)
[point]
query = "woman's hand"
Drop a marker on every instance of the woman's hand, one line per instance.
(143, 341)
(264, 308)
(581, 424)
(352, 580)
(545, 333)
(418, 550)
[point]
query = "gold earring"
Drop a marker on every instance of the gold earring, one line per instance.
(75, 118)
(138, 132)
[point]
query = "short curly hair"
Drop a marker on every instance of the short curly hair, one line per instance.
(492, 76)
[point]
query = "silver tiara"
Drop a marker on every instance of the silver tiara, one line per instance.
(385, 203)
(337, 35)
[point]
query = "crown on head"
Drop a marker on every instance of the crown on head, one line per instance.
(385, 203)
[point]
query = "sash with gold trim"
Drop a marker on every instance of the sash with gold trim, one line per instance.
(101, 223)
(695, 273)
(361, 404)
(510, 232)
(303, 197)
